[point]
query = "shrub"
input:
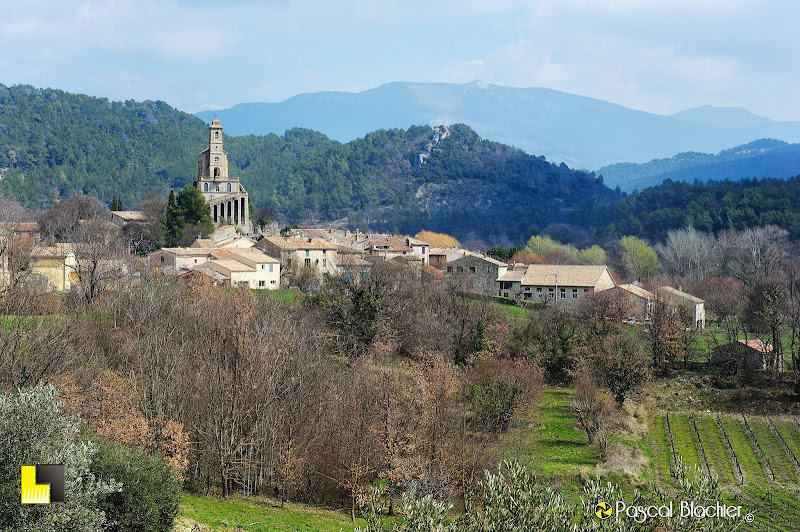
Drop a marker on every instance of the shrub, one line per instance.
(34, 431)
(149, 498)
(497, 387)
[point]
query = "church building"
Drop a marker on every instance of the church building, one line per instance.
(224, 194)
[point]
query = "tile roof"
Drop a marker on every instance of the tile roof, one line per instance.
(758, 345)
(230, 265)
(253, 254)
(568, 275)
(481, 257)
(352, 260)
(21, 227)
(129, 215)
(637, 290)
(56, 250)
(291, 243)
(513, 276)
(187, 251)
(416, 242)
(430, 270)
(675, 293)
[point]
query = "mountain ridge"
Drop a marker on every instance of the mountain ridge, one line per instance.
(584, 132)
(760, 158)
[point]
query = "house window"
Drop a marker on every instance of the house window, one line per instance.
(308, 262)
(324, 263)
(216, 159)
(229, 187)
(195, 261)
(162, 258)
(449, 268)
(270, 267)
(563, 293)
(460, 269)
(272, 282)
(216, 134)
(472, 269)
(262, 284)
(307, 253)
(263, 266)
(574, 293)
(205, 187)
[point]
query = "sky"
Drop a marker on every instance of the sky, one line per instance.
(651, 55)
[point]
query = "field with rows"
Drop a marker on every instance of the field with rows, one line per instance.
(754, 457)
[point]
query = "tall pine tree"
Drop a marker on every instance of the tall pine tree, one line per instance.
(188, 215)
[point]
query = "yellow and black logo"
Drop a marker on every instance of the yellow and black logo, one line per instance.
(603, 510)
(42, 484)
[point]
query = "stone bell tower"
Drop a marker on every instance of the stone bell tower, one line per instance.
(225, 195)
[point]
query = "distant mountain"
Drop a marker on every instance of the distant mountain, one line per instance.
(761, 158)
(54, 144)
(708, 115)
(583, 132)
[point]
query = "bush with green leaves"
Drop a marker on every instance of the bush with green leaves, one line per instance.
(514, 499)
(34, 431)
(149, 497)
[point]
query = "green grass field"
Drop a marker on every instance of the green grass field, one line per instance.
(258, 514)
(550, 443)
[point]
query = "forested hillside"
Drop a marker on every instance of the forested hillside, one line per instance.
(53, 144)
(711, 207)
(760, 158)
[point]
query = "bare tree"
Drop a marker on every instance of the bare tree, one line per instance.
(690, 254)
(667, 328)
(753, 254)
(102, 260)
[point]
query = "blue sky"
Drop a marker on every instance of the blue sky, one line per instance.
(653, 55)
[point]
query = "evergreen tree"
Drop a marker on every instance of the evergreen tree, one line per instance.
(188, 215)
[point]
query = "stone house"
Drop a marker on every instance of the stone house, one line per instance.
(56, 264)
(438, 257)
(387, 247)
(554, 282)
(641, 299)
(353, 268)
(419, 248)
(694, 305)
(475, 272)
(302, 251)
(178, 258)
(248, 270)
(744, 354)
(123, 218)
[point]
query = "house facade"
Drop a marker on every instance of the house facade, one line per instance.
(56, 264)
(475, 272)
(554, 282)
(694, 305)
(751, 354)
(302, 251)
(641, 299)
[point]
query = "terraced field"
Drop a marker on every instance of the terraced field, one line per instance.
(754, 457)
